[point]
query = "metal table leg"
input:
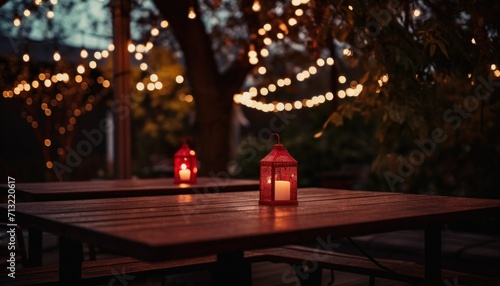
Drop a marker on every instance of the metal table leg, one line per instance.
(433, 253)
(35, 247)
(70, 261)
(232, 269)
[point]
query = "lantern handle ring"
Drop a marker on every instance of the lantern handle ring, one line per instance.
(185, 139)
(278, 136)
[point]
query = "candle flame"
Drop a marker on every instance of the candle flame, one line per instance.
(183, 167)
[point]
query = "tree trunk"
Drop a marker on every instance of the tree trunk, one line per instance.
(212, 91)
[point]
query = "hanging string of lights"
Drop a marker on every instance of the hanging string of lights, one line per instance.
(44, 94)
(39, 5)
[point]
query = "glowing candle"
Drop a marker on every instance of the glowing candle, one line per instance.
(282, 190)
(184, 174)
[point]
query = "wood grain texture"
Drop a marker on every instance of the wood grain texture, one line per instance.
(53, 191)
(179, 226)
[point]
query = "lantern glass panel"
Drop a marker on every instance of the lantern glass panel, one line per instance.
(185, 166)
(278, 177)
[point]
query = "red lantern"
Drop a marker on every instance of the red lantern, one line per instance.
(278, 177)
(185, 165)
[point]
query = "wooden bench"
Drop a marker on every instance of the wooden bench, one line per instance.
(404, 271)
(102, 271)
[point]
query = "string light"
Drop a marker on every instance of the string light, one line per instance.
(50, 14)
(155, 32)
(17, 22)
(131, 48)
(246, 98)
(191, 13)
(57, 56)
(256, 6)
(84, 54)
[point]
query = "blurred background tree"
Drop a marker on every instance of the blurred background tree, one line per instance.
(400, 66)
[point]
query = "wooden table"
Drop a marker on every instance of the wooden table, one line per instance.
(226, 224)
(54, 191)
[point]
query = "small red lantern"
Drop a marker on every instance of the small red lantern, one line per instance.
(278, 177)
(185, 165)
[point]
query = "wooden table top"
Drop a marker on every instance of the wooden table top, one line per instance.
(53, 191)
(164, 227)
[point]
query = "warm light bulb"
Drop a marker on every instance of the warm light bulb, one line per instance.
(179, 79)
(84, 54)
(50, 14)
(17, 22)
(57, 56)
(256, 6)
(191, 13)
(264, 53)
(140, 86)
(26, 57)
(155, 32)
(131, 48)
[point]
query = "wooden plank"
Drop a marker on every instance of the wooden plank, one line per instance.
(154, 227)
(127, 188)
(217, 210)
(172, 213)
(162, 211)
(209, 200)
